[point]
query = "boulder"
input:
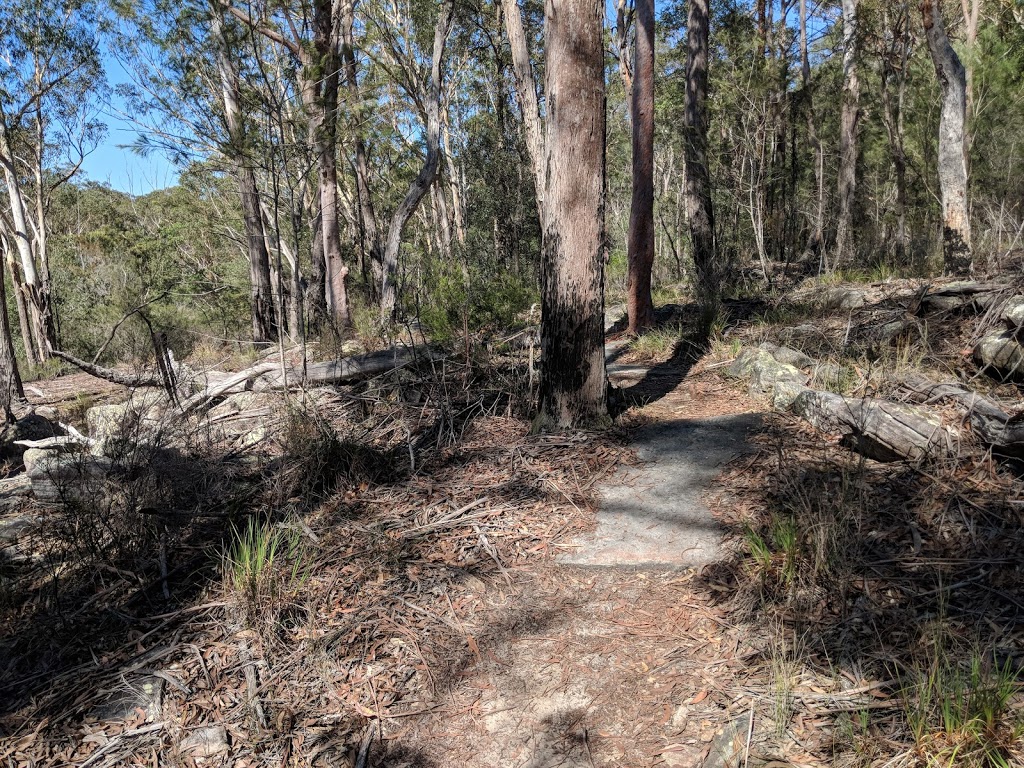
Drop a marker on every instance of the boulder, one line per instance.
(839, 297)
(57, 476)
(789, 356)
(1000, 353)
(121, 428)
(782, 382)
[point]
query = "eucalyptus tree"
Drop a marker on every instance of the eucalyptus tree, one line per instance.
(641, 213)
(952, 159)
(573, 384)
(423, 88)
(848, 127)
(699, 203)
(191, 98)
(50, 76)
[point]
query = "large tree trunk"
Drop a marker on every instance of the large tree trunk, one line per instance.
(699, 207)
(641, 215)
(892, 117)
(573, 381)
(428, 173)
(526, 93)
(849, 117)
(956, 223)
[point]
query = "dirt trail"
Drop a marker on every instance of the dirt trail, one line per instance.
(613, 654)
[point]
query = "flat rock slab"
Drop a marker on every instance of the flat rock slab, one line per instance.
(653, 515)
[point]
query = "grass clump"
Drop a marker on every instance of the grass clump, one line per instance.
(265, 566)
(961, 713)
(655, 346)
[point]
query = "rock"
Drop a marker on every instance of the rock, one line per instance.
(827, 376)
(729, 745)
(804, 331)
(13, 527)
(122, 428)
(13, 493)
(145, 693)
(56, 476)
(768, 376)
(206, 742)
(785, 391)
(1002, 353)
(1013, 313)
(839, 297)
(789, 356)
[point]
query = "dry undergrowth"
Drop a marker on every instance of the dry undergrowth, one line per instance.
(312, 613)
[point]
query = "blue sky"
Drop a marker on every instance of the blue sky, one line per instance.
(112, 162)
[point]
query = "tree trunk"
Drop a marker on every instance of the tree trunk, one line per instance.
(849, 117)
(428, 173)
(526, 92)
(572, 368)
(261, 295)
(892, 117)
(699, 207)
(11, 390)
(322, 99)
(816, 235)
(641, 216)
(956, 223)
(369, 228)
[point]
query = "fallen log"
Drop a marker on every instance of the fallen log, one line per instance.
(344, 370)
(878, 429)
(961, 295)
(110, 374)
(993, 425)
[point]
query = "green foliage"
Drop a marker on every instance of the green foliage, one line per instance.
(960, 711)
(486, 300)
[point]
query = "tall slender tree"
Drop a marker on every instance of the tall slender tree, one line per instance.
(640, 253)
(952, 161)
(848, 125)
(573, 384)
(699, 206)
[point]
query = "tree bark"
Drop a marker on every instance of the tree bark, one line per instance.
(952, 162)
(261, 298)
(572, 368)
(428, 173)
(526, 93)
(640, 305)
(849, 118)
(699, 206)
(892, 117)
(11, 390)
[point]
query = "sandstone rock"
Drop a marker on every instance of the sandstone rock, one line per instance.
(839, 297)
(1001, 353)
(789, 356)
(56, 476)
(123, 427)
(768, 376)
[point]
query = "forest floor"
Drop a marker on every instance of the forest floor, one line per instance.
(437, 586)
